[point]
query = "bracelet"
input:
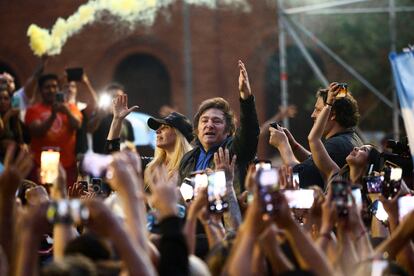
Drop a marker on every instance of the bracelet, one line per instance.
(329, 104)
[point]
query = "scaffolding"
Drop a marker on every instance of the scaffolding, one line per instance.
(287, 25)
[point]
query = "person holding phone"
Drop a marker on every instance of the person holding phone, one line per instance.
(75, 76)
(358, 160)
(54, 124)
(338, 133)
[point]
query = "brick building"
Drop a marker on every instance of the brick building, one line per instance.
(150, 61)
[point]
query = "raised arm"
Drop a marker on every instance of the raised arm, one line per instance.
(30, 86)
(247, 135)
(320, 156)
(92, 97)
(279, 140)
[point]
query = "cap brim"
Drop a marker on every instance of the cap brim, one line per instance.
(155, 123)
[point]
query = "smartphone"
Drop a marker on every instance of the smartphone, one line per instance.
(299, 199)
(295, 181)
(341, 197)
(95, 164)
(405, 206)
(199, 179)
(67, 212)
(84, 184)
(49, 166)
(96, 185)
(373, 183)
(343, 90)
(216, 192)
(268, 184)
(377, 209)
(263, 164)
(15, 102)
(357, 195)
(60, 97)
(276, 125)
(187, 190)
(74, 74)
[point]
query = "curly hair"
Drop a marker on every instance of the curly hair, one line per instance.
(220, 104)
(345, 109)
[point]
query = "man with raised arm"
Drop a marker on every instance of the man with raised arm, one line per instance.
(214, 127)
(339, 134)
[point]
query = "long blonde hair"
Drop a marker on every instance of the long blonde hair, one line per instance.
(181, 147)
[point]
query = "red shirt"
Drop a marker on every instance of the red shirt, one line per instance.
(61, 134)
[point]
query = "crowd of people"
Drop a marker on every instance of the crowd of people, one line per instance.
(204, 205)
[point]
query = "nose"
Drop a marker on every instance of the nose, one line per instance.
(158, 131)
(356, 148)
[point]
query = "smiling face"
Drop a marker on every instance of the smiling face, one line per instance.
(166, 137)
(211, 128)
(359, 156)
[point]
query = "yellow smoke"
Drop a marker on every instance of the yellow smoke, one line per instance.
(43, 41)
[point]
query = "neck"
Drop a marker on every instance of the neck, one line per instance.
(356, 173)
(334, 130)
(168, 152)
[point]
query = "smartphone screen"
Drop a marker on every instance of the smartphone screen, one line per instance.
(96, 164)
(378, 211)
(356, 193)
(187, 191)
(374, 183)
(199, 180)
(216, 191)
(295, 181)
(343, 90)
(263, 164)
(299, 199)
(49, 166)
(268, 182)
(396, 174)
(405, 206)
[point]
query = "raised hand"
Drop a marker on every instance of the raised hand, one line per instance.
(15, 169)
(222, 162)
(164, 195)
(120, 107)
(277, 136)
(244, 84)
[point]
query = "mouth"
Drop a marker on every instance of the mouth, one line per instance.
(209, 134)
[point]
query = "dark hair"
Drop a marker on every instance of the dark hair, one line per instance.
(90, 246)
(72, 265)
(114, 86)
(345, 109)
(374, 158)
(43, 78)
(218, 103)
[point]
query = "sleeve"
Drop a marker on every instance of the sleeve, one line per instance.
(76, 112)
(31, 115)
(173, 248)
(112, 146)
(338, 149)
(247, 135)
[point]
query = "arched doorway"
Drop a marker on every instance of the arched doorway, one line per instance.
(146, 81)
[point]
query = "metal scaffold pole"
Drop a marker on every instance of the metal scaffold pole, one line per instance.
(283, 75)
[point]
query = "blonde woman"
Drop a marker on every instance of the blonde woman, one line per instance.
(174, 134)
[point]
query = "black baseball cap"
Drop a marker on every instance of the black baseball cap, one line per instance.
(176, 120)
